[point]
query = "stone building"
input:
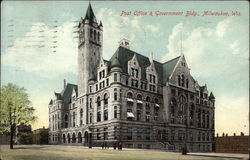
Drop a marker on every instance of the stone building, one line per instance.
(131, 99)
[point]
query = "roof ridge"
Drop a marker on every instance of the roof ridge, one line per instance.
(171, 59)
(139, 54)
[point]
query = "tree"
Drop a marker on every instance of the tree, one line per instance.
(15, 109)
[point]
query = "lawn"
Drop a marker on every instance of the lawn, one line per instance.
(36, 152)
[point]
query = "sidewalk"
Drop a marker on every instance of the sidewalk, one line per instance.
(221, 155)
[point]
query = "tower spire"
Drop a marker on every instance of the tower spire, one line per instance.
(90, 14)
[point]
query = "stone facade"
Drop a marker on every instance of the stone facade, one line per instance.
(131, 99)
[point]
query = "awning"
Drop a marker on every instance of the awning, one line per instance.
(130, 114)
(138, 101)
(130, 100)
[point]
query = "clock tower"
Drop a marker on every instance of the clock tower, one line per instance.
(89, 49)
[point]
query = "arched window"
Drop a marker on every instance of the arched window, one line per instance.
(129, 95)
(98, 101)
(90, 103)
(148, 99)
(94, 35)
(81, 112)
(139, 97)
(187, 82)
(182, 102)
(98, 36)
(66, 121)
(156, 101)
(91, 32)
(182, 80)
(105, 98)
(179, 80)
(115, 94)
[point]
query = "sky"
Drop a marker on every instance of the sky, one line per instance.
(39, 47)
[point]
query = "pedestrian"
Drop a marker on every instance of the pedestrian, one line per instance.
(102, 145)
(105, 144)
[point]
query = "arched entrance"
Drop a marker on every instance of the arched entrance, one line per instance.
(73, 138)
(64, 138)
(86, 137)
(68, 138)
(79, 137)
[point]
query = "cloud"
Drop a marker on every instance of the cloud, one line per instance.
(44, 50)
(203, 44)
(217, 55)
(153, 28)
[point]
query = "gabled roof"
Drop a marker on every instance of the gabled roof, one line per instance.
(123, 55)
(67, 92)
(51, 102)
(58, 96)
(168, 68)
(211, 96)
(90, 14)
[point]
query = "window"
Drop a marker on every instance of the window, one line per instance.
(90, 118)
(156, 101)
(138, 115)
(100, 75)
(107, 82)
(100, 85)
(105, 133)
(129, 134)
(115, 111)
(187, 83)
(129, 95)
(148, 99)
(91, 32)
(90, 103)
(105, 115)
(148, 134)
(139, 133)
(74, 118)
(98, 116)
(81, 113)
(94, 34)
(115, 77)
(96, 87)
(115, 96)
(98, 134)
(65, 120)
(98, 101)
(105, 98)
(90, 89)
(179, 80)
(98, 36)
(139, 97)
(182, 80)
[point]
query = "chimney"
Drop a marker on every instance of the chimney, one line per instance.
(241, 134)
(217, 135)
(234, 134)
(226, 135)
(151, 57)
(223, 134)
(64, 83)
(124, 43)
